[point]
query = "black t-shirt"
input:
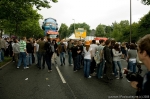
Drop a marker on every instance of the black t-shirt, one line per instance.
(74, 50)
(146, 85)
(80, 47)
(29, 48)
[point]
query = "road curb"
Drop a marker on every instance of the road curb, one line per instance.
(5, 64)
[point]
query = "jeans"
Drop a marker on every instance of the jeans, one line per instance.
(100, 69)
(70, 57)
(29, 59)
(93, 65)
(48, 61)
(79, 57)
(132, 66)
(62, 57)
(75, 60)
(117, 63)
(22, 57)
(36, 57)
(87, 63)
(0, 56)
(40, 55)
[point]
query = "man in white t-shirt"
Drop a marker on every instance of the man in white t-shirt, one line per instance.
(36, 49)
(93, 63)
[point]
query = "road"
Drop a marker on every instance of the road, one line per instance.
(34, 83)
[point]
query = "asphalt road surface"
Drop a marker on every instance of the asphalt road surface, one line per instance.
(61, 83)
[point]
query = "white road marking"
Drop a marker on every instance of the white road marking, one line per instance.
(61, 76)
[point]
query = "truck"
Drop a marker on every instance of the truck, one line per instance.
(50, 27)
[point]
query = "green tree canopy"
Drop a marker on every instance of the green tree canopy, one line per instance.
(100, 30)
(63, 31)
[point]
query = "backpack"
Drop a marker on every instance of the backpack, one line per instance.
(63, 47)
(50, 48)
(97, 56)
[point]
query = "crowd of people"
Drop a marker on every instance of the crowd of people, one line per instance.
(101, 59)
(97, 58)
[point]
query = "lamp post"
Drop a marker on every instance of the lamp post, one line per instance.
(74, 25)
(130, 21)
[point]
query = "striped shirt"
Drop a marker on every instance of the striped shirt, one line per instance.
(22, 46)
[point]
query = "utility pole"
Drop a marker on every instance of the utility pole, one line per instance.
(74, 25)
(130, 21)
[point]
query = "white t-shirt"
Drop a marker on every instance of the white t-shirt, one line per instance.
(87, 54)
(37, 46)
(94, 47)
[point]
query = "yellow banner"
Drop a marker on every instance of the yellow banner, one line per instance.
(79, 33)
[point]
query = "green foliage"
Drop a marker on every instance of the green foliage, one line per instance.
(119, 29)
(19, 17)
(78, 25)
(144, 25)
(146, 2)
(100, 30)
(63, 31)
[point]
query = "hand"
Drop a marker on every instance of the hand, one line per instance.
(134, 84)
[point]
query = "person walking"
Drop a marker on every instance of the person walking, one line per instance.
(131, 58)
(41, 53)
(87, 59)
(16, 50)
(29, 51)
(54, 56)
(93, 63)
(2, 48)
(75, 52)
(23, 53)
(102, 61)
(143, 52)
(49, 50)
(108, 59)
(62, 50)
(70, 44)
(117, 60)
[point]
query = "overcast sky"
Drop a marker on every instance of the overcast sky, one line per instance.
(94, 12)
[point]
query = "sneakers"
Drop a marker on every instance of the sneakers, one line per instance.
(89, 77)
(75, 70)
(26, 67)
(17, 67)
(49, 71)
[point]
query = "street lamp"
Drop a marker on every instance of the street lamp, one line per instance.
(130, 21)
(74, 25)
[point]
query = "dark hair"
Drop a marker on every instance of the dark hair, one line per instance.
(132, 46)
(144, 44)
(93, 41)
(101, 41)
(15, 40)
(107, 42)
(48, 39)
(113, 43)
(42, 38)
(116, 47)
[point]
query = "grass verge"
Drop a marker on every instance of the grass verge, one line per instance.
(6, 60)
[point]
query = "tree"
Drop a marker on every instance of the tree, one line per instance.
(100, 30)
(63, 31)
(146, 2)
(79, 25)
(108, 31)
(18, 11)
(144, 25)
